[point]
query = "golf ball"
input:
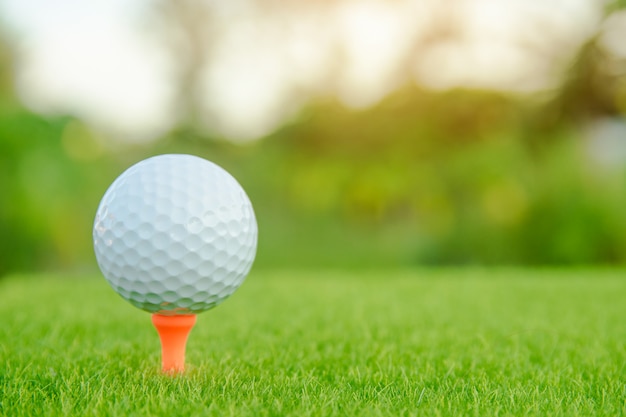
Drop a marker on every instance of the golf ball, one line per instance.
(175, 234)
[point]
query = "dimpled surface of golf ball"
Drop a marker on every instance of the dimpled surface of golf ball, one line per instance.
(175, 234)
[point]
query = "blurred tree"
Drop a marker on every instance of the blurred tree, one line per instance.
(187, 28)
(457, 177)
(612, 6)
(589, 88)
(51, 179)
(6, 77)
(462, 176)
(454, 177)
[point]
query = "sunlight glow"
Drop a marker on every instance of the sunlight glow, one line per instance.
(96, 59)
(109, 76)
(375, 37)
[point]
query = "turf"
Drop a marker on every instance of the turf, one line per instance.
(431, 342)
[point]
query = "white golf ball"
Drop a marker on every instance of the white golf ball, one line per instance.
(175, 234)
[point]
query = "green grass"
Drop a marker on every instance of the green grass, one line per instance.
(433, 342)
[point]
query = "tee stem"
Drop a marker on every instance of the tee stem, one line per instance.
(173, 332)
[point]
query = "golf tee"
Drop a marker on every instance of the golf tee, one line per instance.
(173, 332)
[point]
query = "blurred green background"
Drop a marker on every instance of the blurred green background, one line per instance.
(504, 164)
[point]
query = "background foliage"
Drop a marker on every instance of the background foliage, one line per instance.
(455, 177)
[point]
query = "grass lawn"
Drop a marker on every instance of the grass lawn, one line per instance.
(426, 342)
